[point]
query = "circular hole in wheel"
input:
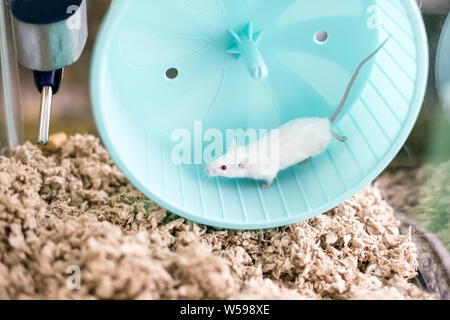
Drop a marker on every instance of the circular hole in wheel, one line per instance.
(172, 73)
(321, 37)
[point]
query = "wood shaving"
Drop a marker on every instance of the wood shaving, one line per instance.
(74, 208)
(55, 142)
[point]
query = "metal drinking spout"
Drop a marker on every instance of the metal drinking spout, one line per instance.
(48, 83)
(44, 116)
(246, 47)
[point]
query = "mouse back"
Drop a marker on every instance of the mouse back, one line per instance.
(303, 138)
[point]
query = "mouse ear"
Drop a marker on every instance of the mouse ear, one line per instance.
(243, 164)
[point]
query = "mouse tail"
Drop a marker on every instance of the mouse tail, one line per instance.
(353, 80)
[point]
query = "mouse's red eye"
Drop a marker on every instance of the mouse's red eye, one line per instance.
(223, 168)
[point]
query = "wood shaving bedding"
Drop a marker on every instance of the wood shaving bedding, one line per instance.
(74, 208)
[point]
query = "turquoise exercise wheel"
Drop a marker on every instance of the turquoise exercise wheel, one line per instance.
(162, 67)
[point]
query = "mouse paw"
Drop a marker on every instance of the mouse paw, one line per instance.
(266, 185)
(303, 162)
(338, 137)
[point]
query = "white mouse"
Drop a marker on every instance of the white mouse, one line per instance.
(291, 144)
